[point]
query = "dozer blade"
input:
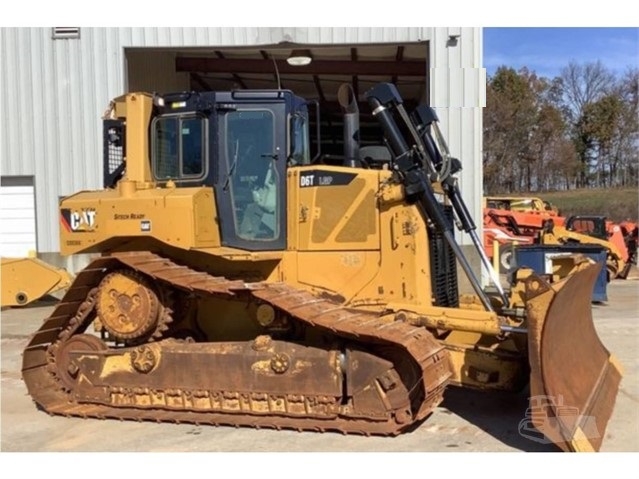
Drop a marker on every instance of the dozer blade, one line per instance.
(25, 280)
(573, 378)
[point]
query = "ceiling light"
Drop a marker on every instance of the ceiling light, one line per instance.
(299, 58)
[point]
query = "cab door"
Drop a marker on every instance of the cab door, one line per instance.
(250, 188)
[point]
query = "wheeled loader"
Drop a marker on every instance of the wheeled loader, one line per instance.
(243, 282)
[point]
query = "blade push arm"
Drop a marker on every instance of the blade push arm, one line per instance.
(411, 163)
(426, 120)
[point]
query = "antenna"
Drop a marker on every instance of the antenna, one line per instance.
(277, 73)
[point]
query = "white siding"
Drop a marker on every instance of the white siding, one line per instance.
(53, 93)
(458, 93)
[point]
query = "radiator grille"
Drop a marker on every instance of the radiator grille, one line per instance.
(443, 267)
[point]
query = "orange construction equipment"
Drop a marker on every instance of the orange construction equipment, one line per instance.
(526, 226)
(630, 231)
(528, 204)
(622, 235)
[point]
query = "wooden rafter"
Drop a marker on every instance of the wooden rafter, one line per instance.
(196, 78)
(235, 76)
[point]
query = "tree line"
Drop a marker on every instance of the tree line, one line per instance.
(577, 130)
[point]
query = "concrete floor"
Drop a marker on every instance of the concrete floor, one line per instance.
(466, 421)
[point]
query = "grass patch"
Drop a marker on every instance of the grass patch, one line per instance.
(617, 204)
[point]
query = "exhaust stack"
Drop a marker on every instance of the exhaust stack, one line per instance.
(348, 102)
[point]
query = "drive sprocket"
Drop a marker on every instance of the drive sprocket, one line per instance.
(129, 307)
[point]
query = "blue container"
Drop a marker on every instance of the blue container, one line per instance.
(539, 259)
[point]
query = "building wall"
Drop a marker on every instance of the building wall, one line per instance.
(53, 93)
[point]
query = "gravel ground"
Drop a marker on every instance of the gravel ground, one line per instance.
(466, 421)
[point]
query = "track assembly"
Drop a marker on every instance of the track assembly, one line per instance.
(366, 376)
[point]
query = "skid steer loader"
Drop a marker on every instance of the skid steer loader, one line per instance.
(242, 283)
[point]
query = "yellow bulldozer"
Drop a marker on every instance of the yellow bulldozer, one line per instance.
(242, 281)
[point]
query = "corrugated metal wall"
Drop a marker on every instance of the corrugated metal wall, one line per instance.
(53, 93)
(458, 92)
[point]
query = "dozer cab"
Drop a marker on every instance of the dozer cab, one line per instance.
(241, 283)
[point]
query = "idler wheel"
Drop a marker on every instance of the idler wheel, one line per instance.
(67, 370)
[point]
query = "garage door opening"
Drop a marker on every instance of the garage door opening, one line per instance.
(223, 69)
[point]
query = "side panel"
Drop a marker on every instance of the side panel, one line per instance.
(101, 221)
(337, 208)
(351, 243)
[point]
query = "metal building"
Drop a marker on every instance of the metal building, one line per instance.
(55, 84)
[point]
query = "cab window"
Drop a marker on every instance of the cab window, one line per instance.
(253, 177)
(179, 148)
(300, 153)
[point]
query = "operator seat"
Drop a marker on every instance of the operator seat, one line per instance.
(261, 212)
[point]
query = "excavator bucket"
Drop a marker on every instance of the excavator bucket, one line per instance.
(573, 378)
(25, 280)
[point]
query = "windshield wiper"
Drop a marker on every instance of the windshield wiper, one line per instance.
(233, 165)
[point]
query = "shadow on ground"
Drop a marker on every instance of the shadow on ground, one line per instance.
(497, 414)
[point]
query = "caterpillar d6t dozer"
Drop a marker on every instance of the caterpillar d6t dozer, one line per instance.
(241, 283)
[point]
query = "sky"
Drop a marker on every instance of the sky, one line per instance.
(547, 50)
